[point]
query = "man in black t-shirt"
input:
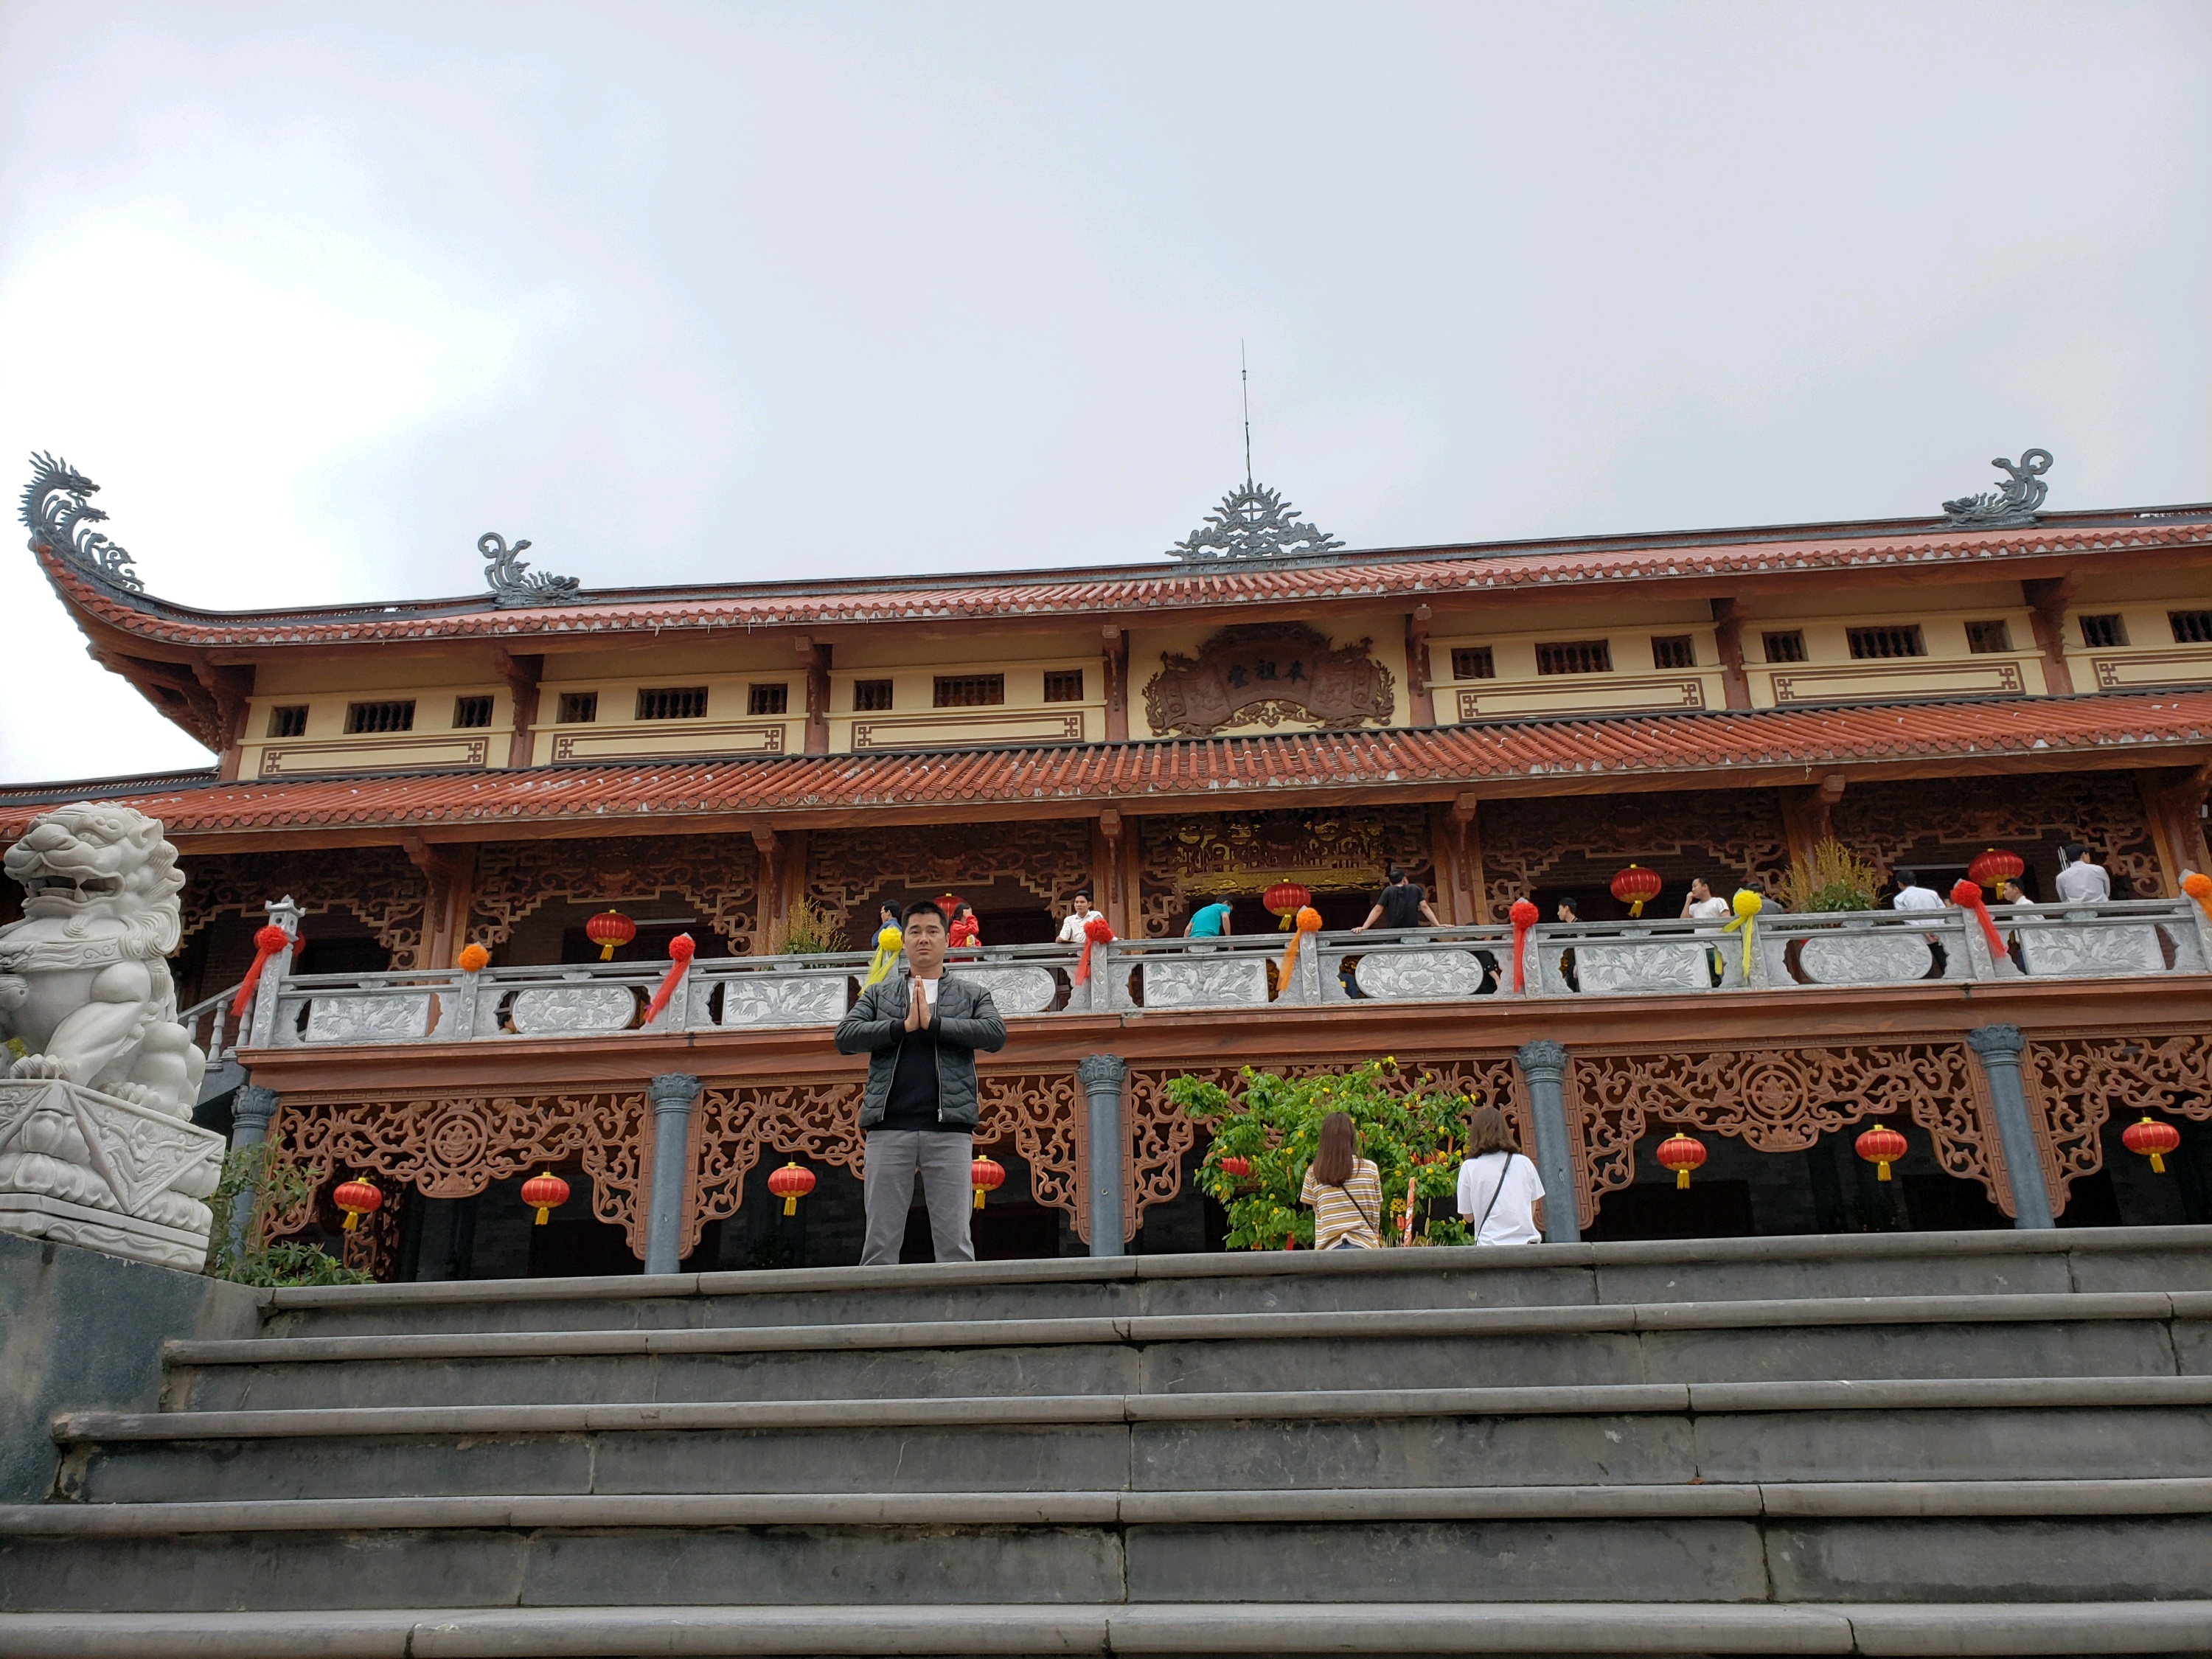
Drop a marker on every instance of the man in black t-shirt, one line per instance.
(1401, 904)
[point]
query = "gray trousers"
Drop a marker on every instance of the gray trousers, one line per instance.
(942, 1159)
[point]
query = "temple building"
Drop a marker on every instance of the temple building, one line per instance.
(758, 766)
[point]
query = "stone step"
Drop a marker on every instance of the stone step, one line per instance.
(1827, 1264)
(2054, 1428)
(2128, 1333)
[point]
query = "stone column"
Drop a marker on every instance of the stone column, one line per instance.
(251, 1109)
(672, 1094)
(1544, 1068)
(1101, 1076)
(1998, 1047)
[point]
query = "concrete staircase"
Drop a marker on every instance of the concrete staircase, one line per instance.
(1955, 1443)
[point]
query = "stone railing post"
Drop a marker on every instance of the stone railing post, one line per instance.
(1544, 1068)
(261, 1017)
(672, 1094)
(1998, 1048)
(1101, 1076)
(251, 1109)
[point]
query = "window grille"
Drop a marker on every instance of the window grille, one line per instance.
(2191, 627)
(381, 716)
(969, 690)
(577, 709)
(765, 699)
(870, 696)
(1786, 647)
(1673, 650)
(1874, 643)
(1574, 657)
(1474, 662)
(288, 722)
(471, 711)
(1986, 638)
(1064, 685)
(672, 702)
(2102, 630)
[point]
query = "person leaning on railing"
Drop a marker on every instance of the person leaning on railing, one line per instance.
(1401, 904)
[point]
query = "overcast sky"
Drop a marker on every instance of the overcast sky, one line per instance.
(694, 293)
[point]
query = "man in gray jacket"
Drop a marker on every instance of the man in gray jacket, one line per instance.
(921, 1032)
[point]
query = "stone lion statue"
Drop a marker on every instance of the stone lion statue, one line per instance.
(83, 984)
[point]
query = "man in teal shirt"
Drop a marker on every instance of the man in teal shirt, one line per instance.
(1210, 922)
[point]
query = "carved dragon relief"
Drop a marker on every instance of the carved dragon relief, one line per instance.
(57, 515)
(2011, 504)
(514, 584)
(1254, 522)
(1264, 673)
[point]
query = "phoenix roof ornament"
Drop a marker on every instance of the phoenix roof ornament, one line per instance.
(1252, 523)
(57, 515)
(511, 587)
(2010, 504)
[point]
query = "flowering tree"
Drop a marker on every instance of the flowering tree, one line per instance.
(1409, 1128)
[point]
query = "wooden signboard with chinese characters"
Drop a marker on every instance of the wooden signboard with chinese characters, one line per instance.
(1266, 674)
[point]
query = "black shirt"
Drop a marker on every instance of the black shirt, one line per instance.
(913, 1101)
(1401, 904)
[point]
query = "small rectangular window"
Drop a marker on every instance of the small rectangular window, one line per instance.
(871, 697)
(471, 711)
(381, 717)
(1869, 644)
(2105, 630)
(767, 699)
(2191, 627)
(1574, 657)
(1987, 638)
(288, 722)
(969, 690)
(1474, 662)
(1786, 647)
(672, 702)
(1064, 685)
(577, 709)
(1673, 650)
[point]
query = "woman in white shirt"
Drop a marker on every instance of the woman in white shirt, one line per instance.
(1500, 1195)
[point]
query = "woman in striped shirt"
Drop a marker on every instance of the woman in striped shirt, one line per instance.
(1345, 1190)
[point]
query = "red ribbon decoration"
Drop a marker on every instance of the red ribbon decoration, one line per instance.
(1967, 895)
(267, 942)
(680, 948)
(1094, 931)
(1524, 916)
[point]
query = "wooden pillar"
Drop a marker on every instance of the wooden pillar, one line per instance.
(815, 658)
(1474, 882)
(448, 888)
(1420, 702)
(1131, 886)
(1450, 896)
(1106, 871)
(1727, 635)
(1806, 815)
(2173, 804)
(768, 885)
(521, 675)
(1116, 656)
(2048, 597)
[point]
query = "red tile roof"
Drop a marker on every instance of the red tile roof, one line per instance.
(1538, 756)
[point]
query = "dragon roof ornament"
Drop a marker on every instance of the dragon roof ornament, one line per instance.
(513, 585)
(2010, 504)
(58, 516)
(1252, 523)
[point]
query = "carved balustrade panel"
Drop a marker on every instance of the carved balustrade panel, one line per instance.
(719, 874)
(1223, 854)
(1049, 858)
(455, 1146)
(1894, 823)
(1774, 1100)
(1583, 840)
(377, 883)
(2078, 1082)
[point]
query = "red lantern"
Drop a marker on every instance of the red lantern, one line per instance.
(1880, 1147)
(791, 1183)
(1993, 869)
(544, 1193)
(1636, 887)
(2154, 1140)
(1286, 899)
(357, 1198)
(986, 1175)
(609, 929)
(1239, 1167)
(1679, 1153)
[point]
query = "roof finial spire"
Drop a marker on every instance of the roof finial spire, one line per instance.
(1245, 374)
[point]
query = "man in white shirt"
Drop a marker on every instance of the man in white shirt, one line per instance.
(1911, 896)
(2080, 882)
(1704, 904)
(1071, 931)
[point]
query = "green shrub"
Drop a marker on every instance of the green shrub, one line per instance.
(258, 1178)
(1837, 879)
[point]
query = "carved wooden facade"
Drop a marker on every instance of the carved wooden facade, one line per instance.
(1186, 860)
(2078, 1082)
(1894, 823)
(718, 874)
(847, 868)
(1729, 839)
(377, 883)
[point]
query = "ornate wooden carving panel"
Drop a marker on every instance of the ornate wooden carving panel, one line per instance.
(2076, 1084)
(1329, 849)
(1774, 1100)
(1892, 823)
(1264, 673)
(377, 883)
(716, 873)
(1582, 840)
(1050, 858)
